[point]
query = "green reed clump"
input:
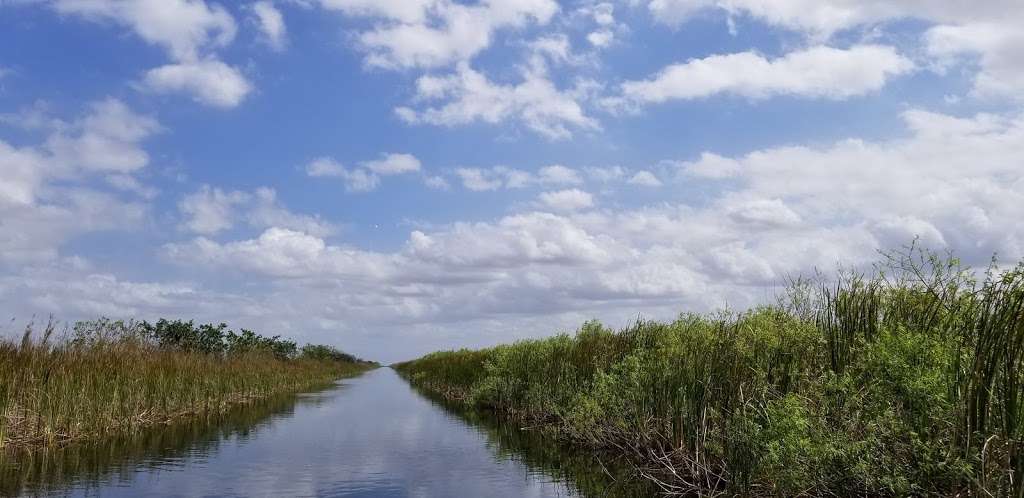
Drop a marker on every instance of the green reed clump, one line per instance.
(907, 381)
(108, 377)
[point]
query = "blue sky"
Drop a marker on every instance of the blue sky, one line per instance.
(399, 176)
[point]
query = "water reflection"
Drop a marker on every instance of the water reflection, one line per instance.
(115, 461)
(590, 475)
(371, 436)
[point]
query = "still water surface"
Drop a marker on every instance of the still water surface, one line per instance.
(368, 436)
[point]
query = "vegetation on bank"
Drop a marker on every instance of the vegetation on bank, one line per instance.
(106, 377)
(908, 381)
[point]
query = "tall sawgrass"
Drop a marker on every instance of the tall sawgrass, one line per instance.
(110, 377)
(903, 381)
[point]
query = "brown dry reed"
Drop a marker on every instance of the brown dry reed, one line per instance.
(112, 378)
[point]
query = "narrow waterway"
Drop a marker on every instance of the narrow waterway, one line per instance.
(368, 436)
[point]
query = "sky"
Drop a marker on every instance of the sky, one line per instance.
(394, 177)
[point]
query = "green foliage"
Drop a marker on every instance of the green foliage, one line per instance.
(906, 382)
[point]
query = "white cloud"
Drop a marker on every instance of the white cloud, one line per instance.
(481, 179)
(477, 179)
(471, 97)
(989, 29)
(408, 11)
(360, 180)
(106, 140)
(601, 38)
(210, 82)
(557, 48)
(436, 33)
(35, 233)
(997, 45)
(437, 182)
(606, 174)
(325, 167)
(367, 176)
(271, 24)
(644, 179)
(822, 18)
(393, 164)
(23, 174)
(210, 210)
(816, 72)
(604, 14)
(712, 166)
(955, 180)
(266, 211)
(356, 180)
(764, 212)
(558, 174)
(566, 200)
(281, 252)
(186, 28)
(190, 30)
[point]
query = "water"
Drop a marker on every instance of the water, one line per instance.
(369, 436)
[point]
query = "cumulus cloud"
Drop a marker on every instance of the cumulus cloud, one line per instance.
(190, 30)
(556, 48)
(469, 96)
(210, 82)
(477, 179)
(437, 182)
(496, 177)
(955, 180)
(566, 200)
(436, 33)
(366, 177)
(606, 174)
(644, 179)
(393, 164)
(816, 72)
(558, 174)
(271, 24)
(989, 30)
(356, 180)
(997, 46)
(70, 289)
(105, 140)
(185, 28)
(710, 165)
(45, 197)
(211, 210)
(601, 38)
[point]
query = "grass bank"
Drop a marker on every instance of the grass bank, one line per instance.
(110, 377)
(905, 381)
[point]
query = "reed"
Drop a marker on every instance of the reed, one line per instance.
(110, 377)
(905, 381)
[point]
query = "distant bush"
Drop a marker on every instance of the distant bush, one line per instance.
(210, 339)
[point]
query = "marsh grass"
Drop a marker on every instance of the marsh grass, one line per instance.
(906, 381)
(51, 471)
(109, 377)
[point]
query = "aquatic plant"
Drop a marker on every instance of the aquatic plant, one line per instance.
(107, 377)
(903, 381)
